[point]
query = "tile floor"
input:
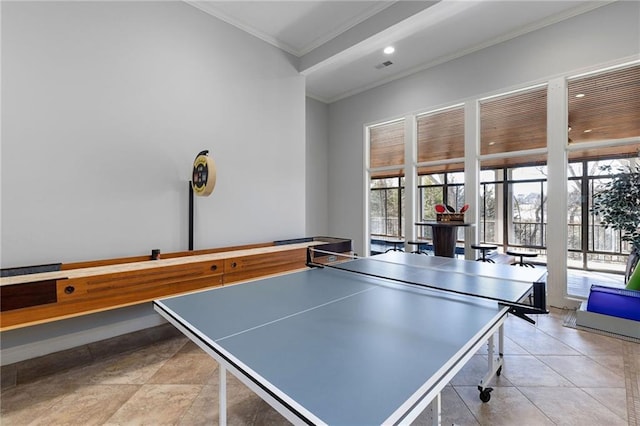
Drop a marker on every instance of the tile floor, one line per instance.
(552, 375)
(579, 282)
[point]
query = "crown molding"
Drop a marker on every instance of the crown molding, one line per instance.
(345, 27)
(206, 8)
(209, 8)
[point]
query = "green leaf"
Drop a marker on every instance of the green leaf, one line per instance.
(618, 203)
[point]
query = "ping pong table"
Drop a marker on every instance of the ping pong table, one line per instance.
(361, 343)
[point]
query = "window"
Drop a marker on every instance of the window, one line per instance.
(385, 211)
(431, 189)
(440, 188)
(491, 216)
(592, 246)
(440, 161)
(527, 188)
(386, 190)
(513, 207)
(604, 129)
(513, 182)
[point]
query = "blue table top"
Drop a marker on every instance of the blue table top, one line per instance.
(344, 348)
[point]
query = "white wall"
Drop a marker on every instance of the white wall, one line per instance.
(104, 108)
(602, 36)
(317, 145)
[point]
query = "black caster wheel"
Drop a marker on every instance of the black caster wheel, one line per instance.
(485, 394)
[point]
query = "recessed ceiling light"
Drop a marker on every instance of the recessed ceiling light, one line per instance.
(389, 50)
(492, 143)
(588, 131)
(580, 95)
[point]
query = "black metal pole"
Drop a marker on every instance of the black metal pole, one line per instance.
(190, 217)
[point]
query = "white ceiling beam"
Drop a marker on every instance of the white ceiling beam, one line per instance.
(381, 21)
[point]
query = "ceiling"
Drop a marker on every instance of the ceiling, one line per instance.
(339, 43)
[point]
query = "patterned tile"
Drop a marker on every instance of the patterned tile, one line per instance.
(572, 406)
(188, 367)
(156, 404)
(537, 342)
(26, 403)
(508, 406)
(527, 370)
(582, 371)
(454, 410)
(87, 405)
(612, 398)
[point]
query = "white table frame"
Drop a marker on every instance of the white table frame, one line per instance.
(427, 398)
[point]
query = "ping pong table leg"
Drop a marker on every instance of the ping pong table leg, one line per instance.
(501, 343)
(494, 364)
(222, 394)
(434, 411)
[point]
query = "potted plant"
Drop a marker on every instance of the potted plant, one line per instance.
(618, 206)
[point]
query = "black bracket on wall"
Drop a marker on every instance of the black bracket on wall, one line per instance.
(190, 217)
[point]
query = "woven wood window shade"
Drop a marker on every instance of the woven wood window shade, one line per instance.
(609, 109)
(514, 122)
(521, 161)
(386, 148)
(605, 152)
(441, 168)
(441, 137)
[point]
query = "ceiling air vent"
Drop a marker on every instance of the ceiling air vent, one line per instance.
(383, 65)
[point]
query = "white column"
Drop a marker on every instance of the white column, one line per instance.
(471, 174)
(557, 125)
(366, 192)
(410, 179)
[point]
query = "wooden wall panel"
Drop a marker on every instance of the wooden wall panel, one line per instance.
(85, 305)
(247, 267)
(31, 294)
